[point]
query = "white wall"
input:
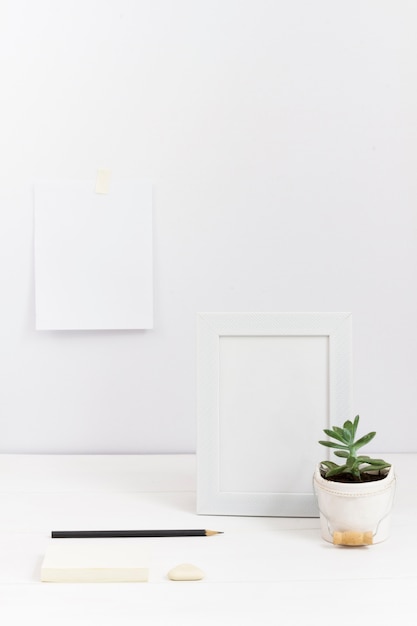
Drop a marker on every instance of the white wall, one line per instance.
(281, 140)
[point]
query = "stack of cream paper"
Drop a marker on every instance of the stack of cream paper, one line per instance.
(96, 560)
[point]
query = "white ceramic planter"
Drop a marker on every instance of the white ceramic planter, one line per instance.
(355, 509)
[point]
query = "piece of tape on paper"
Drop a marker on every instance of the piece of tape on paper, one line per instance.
(103, 181)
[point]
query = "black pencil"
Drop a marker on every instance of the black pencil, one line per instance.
(88, 534)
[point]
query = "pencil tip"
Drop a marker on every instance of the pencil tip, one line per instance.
(214, 532)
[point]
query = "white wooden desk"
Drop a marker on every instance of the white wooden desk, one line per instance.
(261, 570)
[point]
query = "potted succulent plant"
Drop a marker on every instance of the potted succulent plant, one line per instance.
(354, 497)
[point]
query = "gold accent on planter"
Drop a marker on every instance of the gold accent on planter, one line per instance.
(353, 538)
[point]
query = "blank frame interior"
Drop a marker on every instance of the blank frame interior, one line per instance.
(267, 385)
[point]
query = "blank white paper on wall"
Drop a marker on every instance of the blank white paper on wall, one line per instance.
(93, 256)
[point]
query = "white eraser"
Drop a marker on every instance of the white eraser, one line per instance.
(95, 560)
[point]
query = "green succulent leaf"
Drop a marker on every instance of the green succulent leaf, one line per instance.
(344, 435)
(331, 444)
(335, 471)
(335, 434)
(348, 435)
(348, 429)
(368, 459)
(330, 464)
(355, 425)
(342, 453)
(370, 468)
(364, 440)
(349, 426)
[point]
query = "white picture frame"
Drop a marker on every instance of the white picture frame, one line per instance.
(267, 384)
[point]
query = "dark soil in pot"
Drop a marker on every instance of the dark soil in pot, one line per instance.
(366, 477)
